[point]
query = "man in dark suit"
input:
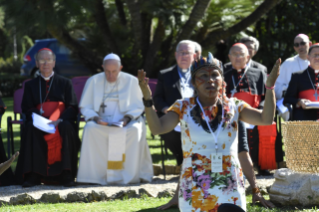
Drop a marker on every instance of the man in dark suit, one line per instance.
(175, 83)
(252, 45)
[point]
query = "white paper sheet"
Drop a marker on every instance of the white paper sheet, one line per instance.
(42, 123)
(280, 106)
(116, 124)
(312, 105)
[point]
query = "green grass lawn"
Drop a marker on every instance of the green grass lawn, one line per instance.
(142, 205)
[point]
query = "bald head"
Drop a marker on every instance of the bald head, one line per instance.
(239, 46)
(301, 45)
(303, 37)
(238, 56)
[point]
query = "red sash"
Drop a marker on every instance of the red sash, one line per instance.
(252, 100)
(267, 140)
(308, 94)
(52, 111)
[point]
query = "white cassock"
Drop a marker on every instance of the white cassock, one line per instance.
(112, 154)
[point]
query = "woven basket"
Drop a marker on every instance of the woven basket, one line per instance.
(301, 139)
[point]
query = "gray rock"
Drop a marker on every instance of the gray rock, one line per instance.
(103, 196)
(94, 196)
(143, 191)
(51, 198)
(118, 195)
(22, 199)
(166, 193)
(291, 188)
(76, 197)
(131, 194)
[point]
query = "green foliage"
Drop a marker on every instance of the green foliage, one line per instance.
(276, 31)
(33, 18)
(9, 66)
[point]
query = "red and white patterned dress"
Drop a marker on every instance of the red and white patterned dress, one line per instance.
(201, 189)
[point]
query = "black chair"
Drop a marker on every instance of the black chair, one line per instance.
(17, 100)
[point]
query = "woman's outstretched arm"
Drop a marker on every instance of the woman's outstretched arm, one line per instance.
(265, 116)
(157, 125)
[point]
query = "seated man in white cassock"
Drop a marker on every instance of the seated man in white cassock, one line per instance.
(112, 154)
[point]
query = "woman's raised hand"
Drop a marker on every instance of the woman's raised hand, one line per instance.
(273, 74)
(143, 82)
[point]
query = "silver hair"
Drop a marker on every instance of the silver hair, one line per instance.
(36, 54)
(251, 39)
(189, 42)
(198, 47)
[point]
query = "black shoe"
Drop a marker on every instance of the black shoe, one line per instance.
(67, 179)
(32, 179)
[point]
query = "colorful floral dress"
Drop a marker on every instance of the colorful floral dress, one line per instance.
(201, 189)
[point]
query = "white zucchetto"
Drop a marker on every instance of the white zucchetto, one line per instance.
(112, 57)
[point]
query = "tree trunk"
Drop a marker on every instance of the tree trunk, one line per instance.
(137, 25)
(150, 57)
(147, 24)
(120, 10)
(196, 15)
(243, 24)
(85, 55)
(101, 21)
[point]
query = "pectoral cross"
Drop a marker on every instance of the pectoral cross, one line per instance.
(233, 92)
(41, 110)
(316, 95)
(103, 106)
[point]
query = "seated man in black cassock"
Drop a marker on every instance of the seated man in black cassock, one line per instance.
(303, 89)
(49, 157)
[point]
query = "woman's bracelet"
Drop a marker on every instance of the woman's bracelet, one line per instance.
(270, 88)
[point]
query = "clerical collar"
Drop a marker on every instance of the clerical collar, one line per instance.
(184, 73)
(47, 78)
(239, 70)
(316, 71)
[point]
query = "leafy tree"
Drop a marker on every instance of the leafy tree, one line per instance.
(144, 33)
(276, 31)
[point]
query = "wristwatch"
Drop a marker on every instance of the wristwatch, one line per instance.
(148, 103)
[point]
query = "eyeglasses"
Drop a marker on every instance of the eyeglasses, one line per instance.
(302, 43)
(45, 61)
(238, 55)
(184, 53)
